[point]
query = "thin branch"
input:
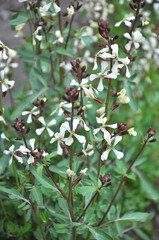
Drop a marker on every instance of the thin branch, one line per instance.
(121, 182)
(53, 180)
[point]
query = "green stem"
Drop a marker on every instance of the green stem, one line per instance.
(69, 32)
(15, 173)
(70, 196)
(39, 222)
(3, 210)
(86, 133)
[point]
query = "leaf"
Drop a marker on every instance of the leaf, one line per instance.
(132, 102)
(65, 52)
(98, 233)
(36, 195)
(28, 100)
(3, 163)
(148, 187)
(51, 155)
(58, 171)
(135, 216)
(19, 20)
(14, 194)
(44, 181)
(40, 77)
(87, 40)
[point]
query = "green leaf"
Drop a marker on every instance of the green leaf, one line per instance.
(40, 77)
(132, 102)
(98, 233)
(19, 20)
(36, 195)
(148, 187)
(51, 155)
(58, 171)
(141, 234)
(87, 40)
(13, 194)
(44, 181)
(25, 104)
(3, 163)
(135, 216)
(65, 52)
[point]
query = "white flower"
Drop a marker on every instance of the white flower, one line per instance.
(3, 136)
(122, 99)
(103, 74)
(25, 150)
(109, 140)
(115, 56)
(9, 64)
(83, 172)
(3, 51)
(69, 140)
(126, 20)
(101, 110)
(43, 10)
(59, 137)
(34, 111)
(36, 36)
(90, 93)
(102, 120)
(59, 36)
(70, 12)
(134, 39)
(70, 172)
(60, 106)
(13, 154)
(101, 54)
(19, 27)
(83, 83)
(46, 126)
(87, 151)
(2, 120)
(20, 1)
(6, 84)
(131, 131)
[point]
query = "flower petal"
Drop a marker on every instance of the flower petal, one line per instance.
(118, 153)
(105, 154)
(39, 131)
